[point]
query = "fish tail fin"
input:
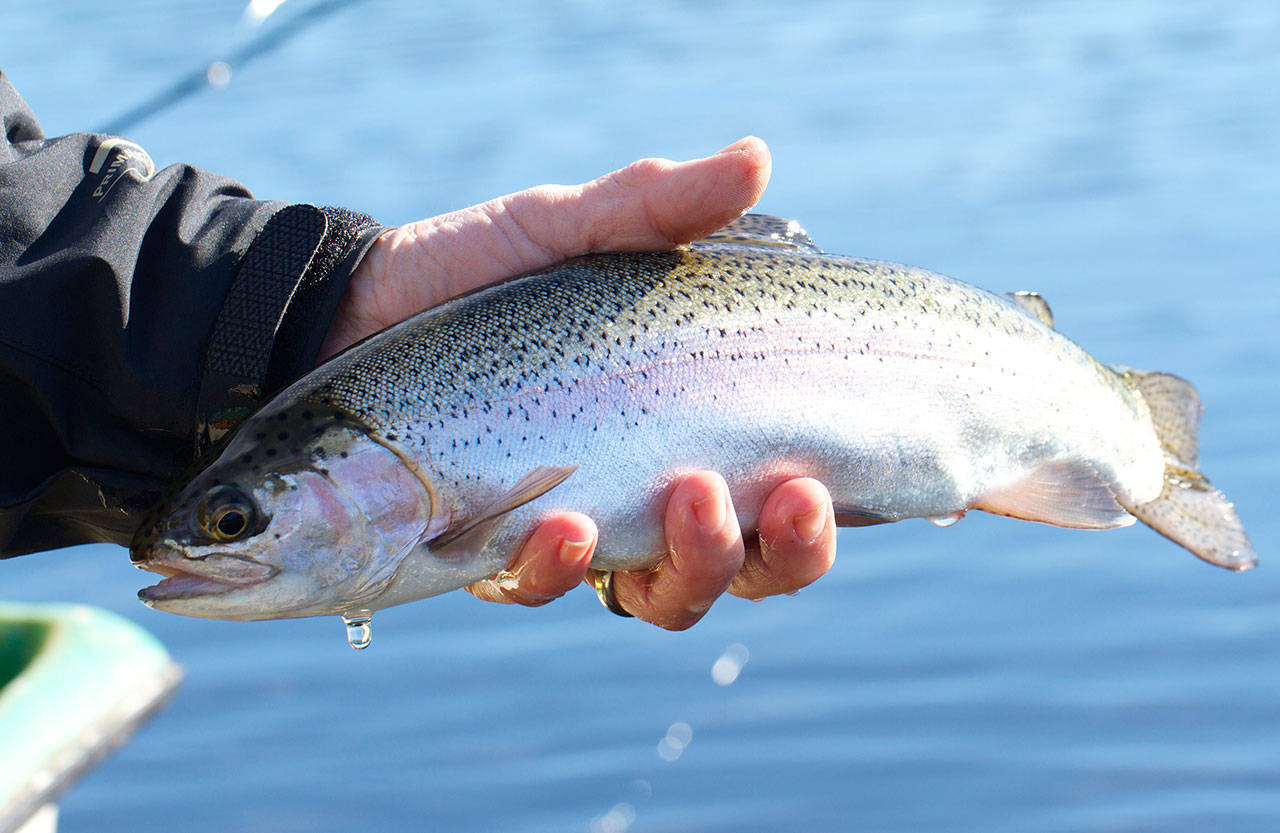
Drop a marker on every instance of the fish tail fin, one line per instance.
(1189, 511)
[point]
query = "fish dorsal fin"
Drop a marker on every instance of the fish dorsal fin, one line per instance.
(1175, 411)
(1060, 492)
(1033, 304)
(763, 230)
(473, 533)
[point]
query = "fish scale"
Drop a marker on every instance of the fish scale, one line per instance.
(909, 394)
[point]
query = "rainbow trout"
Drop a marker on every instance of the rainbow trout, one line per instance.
(417, 461)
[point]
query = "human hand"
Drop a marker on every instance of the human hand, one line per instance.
(706, 553)
(650, 205)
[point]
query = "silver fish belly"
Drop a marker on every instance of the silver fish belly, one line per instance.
(907, 393)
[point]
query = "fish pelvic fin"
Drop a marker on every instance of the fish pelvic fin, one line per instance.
(1189, 510)
(1066, 493)
(848, 514)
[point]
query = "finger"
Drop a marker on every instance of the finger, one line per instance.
(797, 541)
(551, 563)
(705, 553)
(656, 203)
(650, 205)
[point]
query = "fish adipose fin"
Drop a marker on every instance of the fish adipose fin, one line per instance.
(1033, 304)
(1189, 511)
(763, 230)
(1060, 492)
(472, 534)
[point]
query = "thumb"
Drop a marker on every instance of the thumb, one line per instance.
(655, 204)
(650, 205)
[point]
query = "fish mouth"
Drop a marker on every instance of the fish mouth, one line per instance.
(209, 575)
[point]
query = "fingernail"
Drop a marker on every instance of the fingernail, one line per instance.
(572, 552)
(810, 525)
(710, 512)
(738, 145)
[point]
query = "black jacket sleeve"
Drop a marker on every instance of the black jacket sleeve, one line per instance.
(142, 314)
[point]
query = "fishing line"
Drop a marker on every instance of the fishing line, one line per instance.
(217, 73)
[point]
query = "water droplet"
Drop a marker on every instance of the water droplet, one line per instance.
(945, 521)
(617, 820)
(218, 74)
(673, 743)
(669, 750)
(359, 634)
(727, 668)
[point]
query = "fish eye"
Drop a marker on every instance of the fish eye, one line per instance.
(225, 514)
(230, 522)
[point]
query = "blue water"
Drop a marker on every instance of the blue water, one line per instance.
(1123, 158)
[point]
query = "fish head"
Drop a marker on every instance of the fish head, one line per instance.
(306, 511)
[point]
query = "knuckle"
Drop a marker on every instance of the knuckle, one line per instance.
(641, 173)
(552, 195)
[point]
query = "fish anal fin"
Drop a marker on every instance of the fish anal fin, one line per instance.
(1033, 304)
(1175, 411)
(1059, 492)
(471, 534)
(763, 230)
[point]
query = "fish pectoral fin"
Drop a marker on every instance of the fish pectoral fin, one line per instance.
(848, 515)
(1059, 492)
(1033, 304)
(471, 534)
(763, 230)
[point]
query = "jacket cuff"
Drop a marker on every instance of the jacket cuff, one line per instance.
(277, 311)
